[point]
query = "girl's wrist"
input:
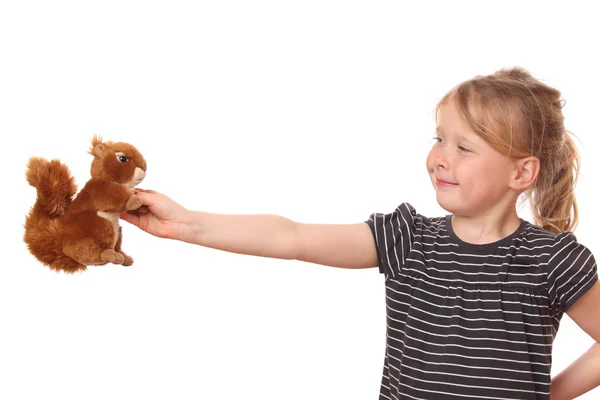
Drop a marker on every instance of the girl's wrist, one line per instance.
(190, 227)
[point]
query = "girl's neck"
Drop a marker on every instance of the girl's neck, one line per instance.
(483, 229)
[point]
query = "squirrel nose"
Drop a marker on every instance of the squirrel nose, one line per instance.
(139, 174)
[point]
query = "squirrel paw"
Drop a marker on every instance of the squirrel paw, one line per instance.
(133, 203)
(112, 256)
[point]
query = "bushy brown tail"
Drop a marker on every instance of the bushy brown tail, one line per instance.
(55, 188)
(54, 183)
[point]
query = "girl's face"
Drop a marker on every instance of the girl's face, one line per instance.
(468, 175)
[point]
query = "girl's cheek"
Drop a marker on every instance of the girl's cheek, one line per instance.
(429, 163)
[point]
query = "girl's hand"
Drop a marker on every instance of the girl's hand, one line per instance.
(159, 216)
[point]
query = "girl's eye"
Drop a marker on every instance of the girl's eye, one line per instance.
(461, 148)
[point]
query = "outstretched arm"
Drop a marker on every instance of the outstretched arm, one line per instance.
(336, 245)
(583, 374)
(274, 236)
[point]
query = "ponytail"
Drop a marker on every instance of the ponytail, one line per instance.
(553, 196)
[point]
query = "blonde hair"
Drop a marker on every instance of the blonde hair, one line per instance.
(520, 116)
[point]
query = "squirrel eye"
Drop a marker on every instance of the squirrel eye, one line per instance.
(121, 157)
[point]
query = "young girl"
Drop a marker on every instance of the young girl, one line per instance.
(474, 298)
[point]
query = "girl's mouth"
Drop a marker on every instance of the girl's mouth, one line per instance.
(440, 182)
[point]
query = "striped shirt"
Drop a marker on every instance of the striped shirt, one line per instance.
(473, 321)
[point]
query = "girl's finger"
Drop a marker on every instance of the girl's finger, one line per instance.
(146, 191)
(131, 218)
(142, 210)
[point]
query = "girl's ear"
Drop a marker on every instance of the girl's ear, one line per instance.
(526, 172)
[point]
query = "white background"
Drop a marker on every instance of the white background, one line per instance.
(320, 111)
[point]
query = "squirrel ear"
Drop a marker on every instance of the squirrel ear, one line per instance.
(99, 149)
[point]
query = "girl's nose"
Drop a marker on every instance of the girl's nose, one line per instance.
(440, 162)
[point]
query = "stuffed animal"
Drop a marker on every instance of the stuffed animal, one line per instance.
(67, 234)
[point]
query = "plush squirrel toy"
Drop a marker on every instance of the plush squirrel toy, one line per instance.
(67, 234)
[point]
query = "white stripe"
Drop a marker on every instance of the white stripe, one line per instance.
(461, 317)
(474, 338)
(463, 308)
(565, 270)
(572, 276)
(471, 376)
(401, 242)
(530, 284)
(408, 228)
(385, 241)
(486, 329)
(499, 290)
(461, 298)
(445, 354)
(581, 287)
(502, 273)
(464, 386)
(454, 394)
(543, 374)
(474, 348)
(558, 252)
(501, 256)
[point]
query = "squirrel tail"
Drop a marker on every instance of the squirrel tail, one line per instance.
(55, 188)
(54, 183)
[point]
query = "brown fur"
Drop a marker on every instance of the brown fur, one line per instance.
(66, 233)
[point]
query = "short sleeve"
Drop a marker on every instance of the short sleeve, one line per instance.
(573, 272)
(393, 237)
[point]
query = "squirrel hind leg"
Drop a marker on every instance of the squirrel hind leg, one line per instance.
(42, 240)
(127, 259)
(111, 256)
